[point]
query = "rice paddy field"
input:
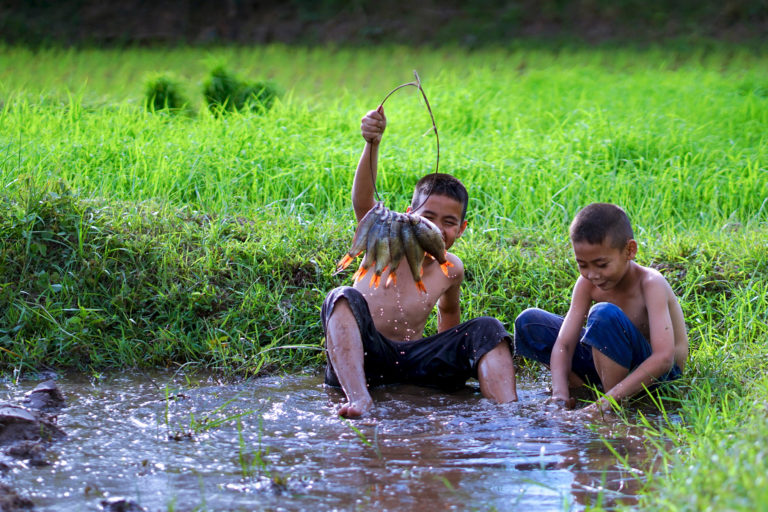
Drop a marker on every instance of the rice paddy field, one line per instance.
(139, 238)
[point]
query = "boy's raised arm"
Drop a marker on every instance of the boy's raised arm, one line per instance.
(372, 128)
(567, 340)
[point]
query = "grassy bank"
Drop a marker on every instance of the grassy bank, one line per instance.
(131, 238)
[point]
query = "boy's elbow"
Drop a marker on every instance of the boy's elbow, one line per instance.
(666, 361)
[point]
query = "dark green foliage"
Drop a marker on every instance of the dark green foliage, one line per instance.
(258, 95)
(220, 89)
(90, 284)
(225, 92)
(164, 92)
(97, 23)
(87, 284)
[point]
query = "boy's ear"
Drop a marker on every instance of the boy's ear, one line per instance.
(462, 228)
(631, 249)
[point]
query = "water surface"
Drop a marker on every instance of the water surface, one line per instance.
(176, 442)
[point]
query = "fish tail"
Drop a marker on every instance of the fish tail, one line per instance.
(444, 268)
(375, 281)
(391, 278)
(359, 274)
(420, 286)
(344, 262)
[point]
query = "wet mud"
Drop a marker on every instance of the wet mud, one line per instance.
(181, 442)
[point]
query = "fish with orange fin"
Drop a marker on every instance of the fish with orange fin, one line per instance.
(376, 232)
(381, 250)
(396, 249)
(387, 238)
(360, 240)
(431, 240)
(414, 253)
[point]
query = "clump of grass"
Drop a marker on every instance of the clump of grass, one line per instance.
(87, 284)
(226, 92)
(164, 92)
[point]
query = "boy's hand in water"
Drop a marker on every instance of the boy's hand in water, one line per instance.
(598, 411)
(561, 403)
(373, 124)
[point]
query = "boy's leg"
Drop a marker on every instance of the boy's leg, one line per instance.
(476, 348)
(536, 331)
(358, 355)
(496, 373)
(618, 347)
(345, 351)
(611, 372)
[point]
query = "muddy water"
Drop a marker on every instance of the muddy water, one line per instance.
(274, 444)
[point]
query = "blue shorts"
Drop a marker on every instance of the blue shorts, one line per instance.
(608, 330)
(445, 360)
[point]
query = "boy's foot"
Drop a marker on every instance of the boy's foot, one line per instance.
(355, 409)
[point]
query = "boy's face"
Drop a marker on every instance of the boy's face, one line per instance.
(445, 213)
(603, 264)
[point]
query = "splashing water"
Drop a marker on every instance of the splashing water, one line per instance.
(274, 443)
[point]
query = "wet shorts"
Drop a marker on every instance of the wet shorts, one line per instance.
(445, 360)
(608, 330)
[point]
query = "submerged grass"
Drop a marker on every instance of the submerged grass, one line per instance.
(135, 238)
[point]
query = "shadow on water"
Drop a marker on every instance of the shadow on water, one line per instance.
(191, 443)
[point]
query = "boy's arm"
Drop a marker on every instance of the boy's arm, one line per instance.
(561, 359)
(448, 306)
(662, 358)
(372, 128)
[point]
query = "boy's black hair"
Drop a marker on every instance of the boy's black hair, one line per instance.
(441, 184)
(598, 221)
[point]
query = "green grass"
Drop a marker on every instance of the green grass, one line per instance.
(535, 135)
(133, 238)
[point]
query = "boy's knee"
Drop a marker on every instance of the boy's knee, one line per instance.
(605, 311)
(491, 324)
(339, 295)
(528, 317)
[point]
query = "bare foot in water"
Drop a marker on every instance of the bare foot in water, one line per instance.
(355, 409)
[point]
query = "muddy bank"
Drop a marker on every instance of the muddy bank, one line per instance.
(26, 431)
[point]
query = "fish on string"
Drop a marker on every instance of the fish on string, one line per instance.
(388, 237)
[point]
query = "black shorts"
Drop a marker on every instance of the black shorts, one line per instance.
(445, 360)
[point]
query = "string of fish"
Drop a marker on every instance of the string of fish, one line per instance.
(387, 237)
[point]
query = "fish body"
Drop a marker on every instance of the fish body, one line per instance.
(370, 251)
(377, 231)
(414, 253)
(360, 240)
(431, 240)
(396, 249)
(382, 252)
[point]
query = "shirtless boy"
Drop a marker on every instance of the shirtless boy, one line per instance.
(374, 334)
(635, 335)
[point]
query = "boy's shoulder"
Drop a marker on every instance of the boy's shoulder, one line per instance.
(453, 275)
(455, 260)
(650, 279)
(649, 274)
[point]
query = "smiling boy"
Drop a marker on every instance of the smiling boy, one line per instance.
(374, 334)
(634, 336)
